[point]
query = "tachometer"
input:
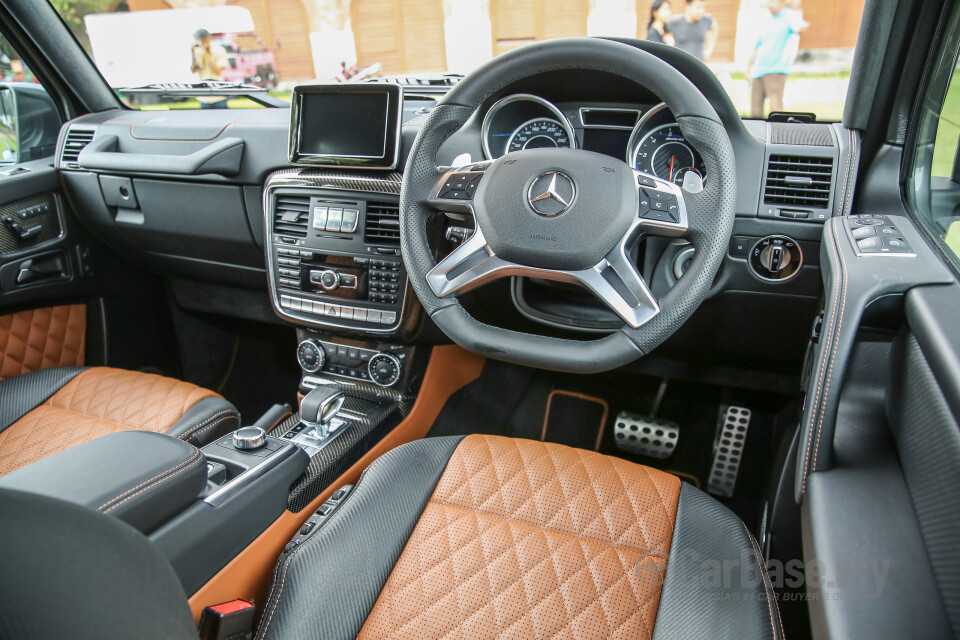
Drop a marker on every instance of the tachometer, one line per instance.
(539, 133)
(665, 153)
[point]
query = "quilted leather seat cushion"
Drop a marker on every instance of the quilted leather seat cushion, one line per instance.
(527, 539)
(491, 537)
(103, 400)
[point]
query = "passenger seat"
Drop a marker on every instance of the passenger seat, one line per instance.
(48, 411)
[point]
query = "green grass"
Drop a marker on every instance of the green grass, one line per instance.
(948, 131)
(191, 103)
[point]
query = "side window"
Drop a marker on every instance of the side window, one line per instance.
(933, 188)
(29, 122)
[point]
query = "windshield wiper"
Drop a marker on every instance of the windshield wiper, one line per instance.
(206, 88)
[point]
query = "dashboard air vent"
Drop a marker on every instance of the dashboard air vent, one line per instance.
(383, 223)
(798, 181)
(291, 216)
(76, 140)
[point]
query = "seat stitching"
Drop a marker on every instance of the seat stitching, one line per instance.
(201, 422)
(197, 458)
(763, 573)
(833, 357)
(195, 433)
(823, 366)
(174, 468)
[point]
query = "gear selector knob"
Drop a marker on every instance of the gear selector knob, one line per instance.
(319, 407)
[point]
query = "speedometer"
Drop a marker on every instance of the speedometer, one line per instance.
(537, 134)
(665, 153)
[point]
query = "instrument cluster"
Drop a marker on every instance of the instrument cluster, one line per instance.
(647, 137)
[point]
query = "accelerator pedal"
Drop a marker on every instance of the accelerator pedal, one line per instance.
(728, 450)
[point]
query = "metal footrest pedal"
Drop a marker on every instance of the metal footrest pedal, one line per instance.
(728, 451)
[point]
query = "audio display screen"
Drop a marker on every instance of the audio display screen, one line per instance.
(346, 125)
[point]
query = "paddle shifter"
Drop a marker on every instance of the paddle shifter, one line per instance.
(319, 408)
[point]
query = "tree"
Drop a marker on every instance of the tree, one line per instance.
(73, 11)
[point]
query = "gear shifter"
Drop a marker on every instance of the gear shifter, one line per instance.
(319, 408)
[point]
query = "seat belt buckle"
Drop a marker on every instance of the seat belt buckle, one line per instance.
(231, 620)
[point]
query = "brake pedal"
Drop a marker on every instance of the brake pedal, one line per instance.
(645, 436)
(728, 451)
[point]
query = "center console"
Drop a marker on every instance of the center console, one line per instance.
(333, 251)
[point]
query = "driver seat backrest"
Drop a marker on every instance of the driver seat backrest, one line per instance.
(67, 571)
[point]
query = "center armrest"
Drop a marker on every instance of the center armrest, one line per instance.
(139, 477)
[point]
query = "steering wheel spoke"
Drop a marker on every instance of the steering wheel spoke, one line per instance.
(614, 280)
(662, 210)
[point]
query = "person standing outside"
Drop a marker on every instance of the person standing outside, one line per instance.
(208, 60)
(695, 31)
(769, 64)
(657, 30)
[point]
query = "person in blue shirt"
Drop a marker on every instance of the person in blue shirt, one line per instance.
(772, 56)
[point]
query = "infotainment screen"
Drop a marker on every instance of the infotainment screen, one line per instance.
(355, 125)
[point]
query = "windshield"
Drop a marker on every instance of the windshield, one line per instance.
(770, 55)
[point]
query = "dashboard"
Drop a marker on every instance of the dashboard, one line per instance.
(646, 137)
(317, 247)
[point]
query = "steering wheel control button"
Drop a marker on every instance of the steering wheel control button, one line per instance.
(658, 214)
(775, 259)
(249, 438)
(644, 181)
(384, 369)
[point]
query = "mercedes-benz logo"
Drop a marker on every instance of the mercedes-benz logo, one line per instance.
(551, 193)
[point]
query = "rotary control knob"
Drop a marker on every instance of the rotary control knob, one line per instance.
(249, 438)
(384, 369)
(311, 355)
(329, 279)
(775, 258)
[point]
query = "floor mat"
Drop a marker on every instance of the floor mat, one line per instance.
(574, 419)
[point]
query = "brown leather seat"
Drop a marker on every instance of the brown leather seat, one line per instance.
(492, 537)
(47, 411)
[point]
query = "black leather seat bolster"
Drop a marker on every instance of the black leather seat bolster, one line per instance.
(701, 599)
(326, 587)
(69, 572)
(206, 421)
(24, 393)
(139, 477)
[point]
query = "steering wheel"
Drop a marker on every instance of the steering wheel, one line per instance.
(566, 214)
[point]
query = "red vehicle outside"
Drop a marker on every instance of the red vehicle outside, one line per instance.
(250, 61)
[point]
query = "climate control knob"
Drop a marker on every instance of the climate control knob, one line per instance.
(311, 355)
(384, 369)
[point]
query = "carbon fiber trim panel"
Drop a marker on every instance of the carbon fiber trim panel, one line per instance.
(362, 181)
(52, 227)
(338, 456)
